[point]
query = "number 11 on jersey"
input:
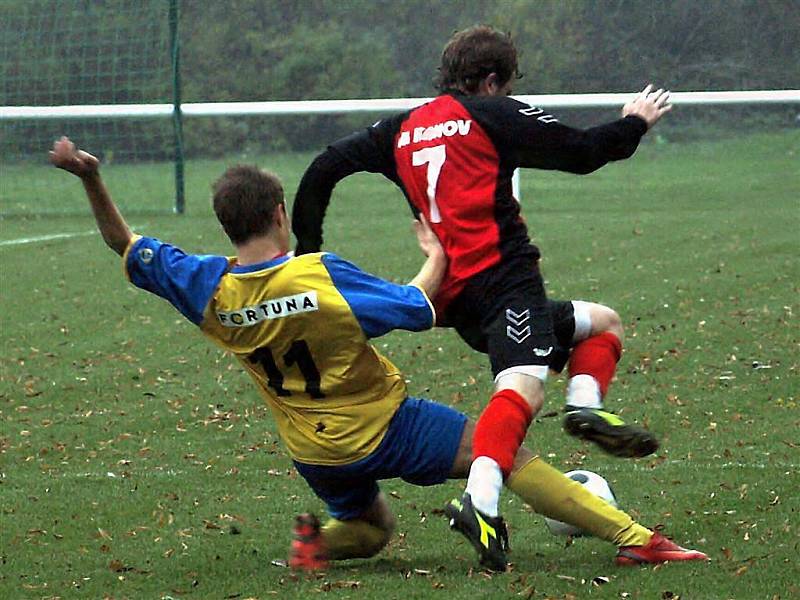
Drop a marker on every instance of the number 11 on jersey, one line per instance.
(434, 157)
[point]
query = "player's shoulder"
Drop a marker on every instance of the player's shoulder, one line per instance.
(345, 272)
(391, 123)
(488, 102)
(308, 262)
(334, 261)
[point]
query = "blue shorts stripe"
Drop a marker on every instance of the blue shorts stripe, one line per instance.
(420, 446)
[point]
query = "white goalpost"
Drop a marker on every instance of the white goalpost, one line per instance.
(301, 107)
(374, 106)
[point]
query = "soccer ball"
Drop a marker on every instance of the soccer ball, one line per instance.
(595, 484)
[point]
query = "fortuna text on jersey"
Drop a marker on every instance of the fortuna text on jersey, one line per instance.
(274, 308)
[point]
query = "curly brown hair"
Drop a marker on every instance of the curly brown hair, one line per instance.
(474, 53)
(244, 200)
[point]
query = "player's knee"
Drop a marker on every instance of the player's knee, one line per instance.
(615, 324)
(356, 538)
(386, 532)
(536, 405)
(606, 320)
(382, 524)
(377, 537)
(529, 387)
(535, 400)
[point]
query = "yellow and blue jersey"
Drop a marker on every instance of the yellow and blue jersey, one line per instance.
(300, 327)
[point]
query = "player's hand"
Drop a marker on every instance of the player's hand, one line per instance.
(649, 105)
(428, 242)
(65, 155)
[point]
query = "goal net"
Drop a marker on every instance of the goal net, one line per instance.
(85, 52)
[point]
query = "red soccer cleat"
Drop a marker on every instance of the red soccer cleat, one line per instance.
(308, 548)
(658, 550)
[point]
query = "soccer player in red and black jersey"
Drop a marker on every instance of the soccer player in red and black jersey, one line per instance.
(454, 158)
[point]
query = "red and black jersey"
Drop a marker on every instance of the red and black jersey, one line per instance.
(454, 158)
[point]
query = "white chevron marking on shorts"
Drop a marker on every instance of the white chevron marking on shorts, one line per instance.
(518, 335)
(516, 318)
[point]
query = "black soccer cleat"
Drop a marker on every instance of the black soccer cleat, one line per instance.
(488, 535)
(609, 432)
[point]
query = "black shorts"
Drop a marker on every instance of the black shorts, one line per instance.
(505, 313)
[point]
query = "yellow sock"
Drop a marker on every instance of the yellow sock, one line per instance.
(352, 539)
(553, 494)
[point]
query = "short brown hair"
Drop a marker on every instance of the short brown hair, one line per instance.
(245, 198)
(474, 53)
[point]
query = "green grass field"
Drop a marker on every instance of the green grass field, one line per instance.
(136, 461)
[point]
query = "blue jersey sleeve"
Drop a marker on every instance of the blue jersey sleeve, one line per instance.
(378, 305)
(186, 281)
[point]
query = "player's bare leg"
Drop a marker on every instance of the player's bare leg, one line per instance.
(552, 494)
(314, 545)
(593, 361)
(497, 438)
(362, 537)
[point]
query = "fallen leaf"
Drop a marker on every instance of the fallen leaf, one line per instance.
(117, 566)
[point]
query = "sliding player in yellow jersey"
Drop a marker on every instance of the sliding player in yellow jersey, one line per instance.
(300, 326)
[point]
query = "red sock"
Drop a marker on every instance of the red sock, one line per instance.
(597, 356)
(501, 428)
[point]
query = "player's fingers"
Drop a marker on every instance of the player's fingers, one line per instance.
(58, 154)
(664, 99)
(61, 161)
(419, 231)
(646, 90)
(64, 147)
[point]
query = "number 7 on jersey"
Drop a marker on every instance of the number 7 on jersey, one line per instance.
(434, 157)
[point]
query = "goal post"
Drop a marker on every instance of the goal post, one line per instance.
(108, 73)
(177, 117)
(175, 110)
(376, 105)
(85, 53)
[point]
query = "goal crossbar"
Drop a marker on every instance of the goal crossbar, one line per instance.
(210, 109)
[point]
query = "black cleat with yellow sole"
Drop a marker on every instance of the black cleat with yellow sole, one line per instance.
(488, 535)
(609, 432)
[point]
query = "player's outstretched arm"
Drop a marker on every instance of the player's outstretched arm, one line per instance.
(112, 226)
(649, 105)
(433, 269)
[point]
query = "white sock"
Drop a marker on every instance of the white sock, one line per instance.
(484, 484)
(583, 391)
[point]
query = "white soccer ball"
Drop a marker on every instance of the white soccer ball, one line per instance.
(595, 484)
